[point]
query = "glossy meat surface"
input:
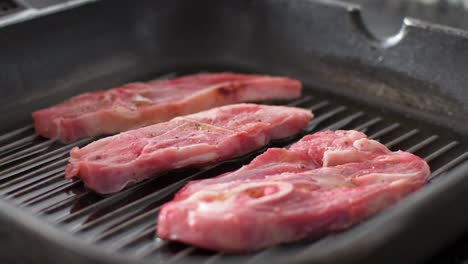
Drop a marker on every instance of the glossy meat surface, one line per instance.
(136, 105)
(109, 164)
(324, 183)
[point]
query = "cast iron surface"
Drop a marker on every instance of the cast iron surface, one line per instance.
(410, 85)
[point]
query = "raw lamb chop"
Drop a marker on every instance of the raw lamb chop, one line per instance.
(136, 105)
(324, 183)
(109, 164)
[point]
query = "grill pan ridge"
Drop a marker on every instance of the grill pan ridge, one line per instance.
(58, 219)
(32, 178)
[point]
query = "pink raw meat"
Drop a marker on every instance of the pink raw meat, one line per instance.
(324, 183)
(109, 164)
(136, 105)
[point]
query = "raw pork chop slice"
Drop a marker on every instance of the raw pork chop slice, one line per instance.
(324, 183)
(136, 105)
(109, 164)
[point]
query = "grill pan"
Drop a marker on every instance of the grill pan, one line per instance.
(406, 91)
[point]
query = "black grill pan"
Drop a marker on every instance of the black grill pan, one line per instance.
(406, 91)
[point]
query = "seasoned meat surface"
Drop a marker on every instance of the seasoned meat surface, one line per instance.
(326, 182)
(109, 164)
(136, 105)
